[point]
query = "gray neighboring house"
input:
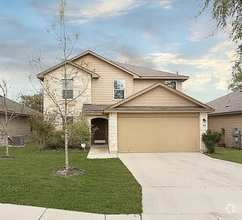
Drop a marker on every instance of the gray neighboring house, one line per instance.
(227, 115)
(19, 125)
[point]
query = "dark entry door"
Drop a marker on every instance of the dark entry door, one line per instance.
(101, 134)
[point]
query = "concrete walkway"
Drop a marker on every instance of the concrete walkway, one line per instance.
(17, 212)
(100, 152)
(187, 186)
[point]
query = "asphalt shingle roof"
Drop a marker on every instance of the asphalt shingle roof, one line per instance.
(147, 72)
(16, 108)
(228, 104)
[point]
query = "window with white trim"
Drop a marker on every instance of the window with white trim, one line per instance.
(67, 88)
(118, 89)
(171, 84)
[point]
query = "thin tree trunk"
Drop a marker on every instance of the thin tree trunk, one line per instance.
(66, 149)
(6, 145)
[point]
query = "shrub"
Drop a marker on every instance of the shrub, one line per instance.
(210, 139)
(55, 140)
(42, 128)
(78, 132)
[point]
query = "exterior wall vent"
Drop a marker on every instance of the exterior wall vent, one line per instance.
(18, 140)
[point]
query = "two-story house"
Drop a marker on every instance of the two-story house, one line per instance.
(136, 109)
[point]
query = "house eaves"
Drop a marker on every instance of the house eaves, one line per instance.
(42, 74)
(115, 107)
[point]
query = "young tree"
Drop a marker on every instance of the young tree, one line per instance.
(9, 110)
(228, 16)
(67, 72)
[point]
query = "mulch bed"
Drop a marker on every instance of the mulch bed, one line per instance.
(71, 171)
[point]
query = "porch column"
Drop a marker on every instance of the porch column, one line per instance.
(203, 127)
(113, 133)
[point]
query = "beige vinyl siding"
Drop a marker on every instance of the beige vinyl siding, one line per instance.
(102, 88)
(228, 122)
(140, 84)
(158, 132)
(19, 126)
(159, 96)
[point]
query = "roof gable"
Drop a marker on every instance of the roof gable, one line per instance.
(136, 71)
(160, 95)
(42, 74)
(105, 60)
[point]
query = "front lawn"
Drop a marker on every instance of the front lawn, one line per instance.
(228, 154)
(106, 187)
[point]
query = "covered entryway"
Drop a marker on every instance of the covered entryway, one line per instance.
(158, 132)
(99, 131)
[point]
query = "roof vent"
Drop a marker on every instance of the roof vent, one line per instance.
(228, 103)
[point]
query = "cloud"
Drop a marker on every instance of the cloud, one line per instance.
(130, 55)
(214, 65)
(166, 4)
(102, 9)
(200, 30)
(197, 82)
(159, 57)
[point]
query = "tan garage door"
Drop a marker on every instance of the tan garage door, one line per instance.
(158, 132)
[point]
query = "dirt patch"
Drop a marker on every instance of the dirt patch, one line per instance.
(68, 172)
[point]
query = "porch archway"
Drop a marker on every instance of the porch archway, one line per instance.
(99, 131)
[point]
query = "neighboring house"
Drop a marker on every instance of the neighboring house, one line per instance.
(19, 124)
(227, 115)
(136, 109)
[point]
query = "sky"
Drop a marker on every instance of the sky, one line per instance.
(161, 34)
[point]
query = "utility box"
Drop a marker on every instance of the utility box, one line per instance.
(18, 140)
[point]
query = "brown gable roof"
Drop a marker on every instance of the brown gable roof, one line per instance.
(16, 108)
(105, 60)
(136, 71)
(145, 72)
(228, 104)
(42, 74)
(118, 106)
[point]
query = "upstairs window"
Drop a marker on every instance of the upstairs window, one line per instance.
(118, 89)
(67, 88)
(171, 84)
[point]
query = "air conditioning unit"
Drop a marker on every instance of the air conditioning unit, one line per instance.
(18, 140)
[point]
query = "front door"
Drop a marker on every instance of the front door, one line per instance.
(100, 131)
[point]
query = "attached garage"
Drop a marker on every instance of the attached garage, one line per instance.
(158, 132)
(156, 119)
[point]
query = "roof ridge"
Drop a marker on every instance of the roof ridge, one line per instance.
(143, 67)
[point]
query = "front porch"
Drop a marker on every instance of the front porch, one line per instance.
(103, 129)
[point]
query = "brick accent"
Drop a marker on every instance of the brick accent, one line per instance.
(203, 127)
(113, 133)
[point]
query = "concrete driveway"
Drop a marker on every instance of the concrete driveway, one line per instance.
(187, 186)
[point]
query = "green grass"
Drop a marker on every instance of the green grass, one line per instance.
(106, 187)
(228, 154)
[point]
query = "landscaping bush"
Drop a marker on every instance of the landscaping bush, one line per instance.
(42, 128)
(79, 132)
(55, 140)
(210, 139)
